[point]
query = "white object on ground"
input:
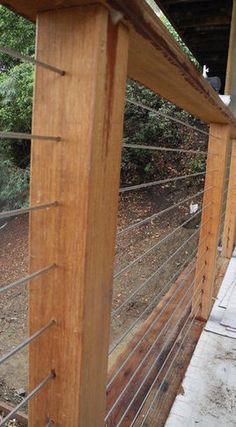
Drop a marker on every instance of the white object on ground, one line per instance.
(193, 208)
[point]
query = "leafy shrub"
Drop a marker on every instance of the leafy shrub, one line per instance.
(16, 93)
(14, 185)
(148, 128)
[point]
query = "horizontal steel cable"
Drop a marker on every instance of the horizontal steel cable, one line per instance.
(156, 272)
(19, 135)
(29, 59)
(27, 278)
(49, 377)
(153, 365)
(156, 215)
(153, 148)
(181, 122)
(157, 297)
(179, 287)
(172, 363)
(140, 257)
(26, 341)
(23, 211)
(150, 349)
(162, 181)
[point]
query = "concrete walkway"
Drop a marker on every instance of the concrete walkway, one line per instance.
(209, 386)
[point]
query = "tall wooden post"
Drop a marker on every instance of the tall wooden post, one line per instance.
(230, 216)
(85, 107)
(211, 216)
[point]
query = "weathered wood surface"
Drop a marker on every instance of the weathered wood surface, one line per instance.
(155, 58)
(85, 108)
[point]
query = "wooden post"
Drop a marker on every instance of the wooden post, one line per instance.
(230, 216)
(211, 216)
(85, 107)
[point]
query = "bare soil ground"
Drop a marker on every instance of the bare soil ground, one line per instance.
(132, 207)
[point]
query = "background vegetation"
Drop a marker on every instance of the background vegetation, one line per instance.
(141, 126)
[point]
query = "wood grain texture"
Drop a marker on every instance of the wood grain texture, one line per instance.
(85, 107)
(211, 215)
(230, 216)
(155, 58)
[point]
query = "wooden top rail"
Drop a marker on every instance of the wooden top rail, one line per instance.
(155, 58)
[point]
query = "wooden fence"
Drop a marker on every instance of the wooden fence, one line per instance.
(75, 171)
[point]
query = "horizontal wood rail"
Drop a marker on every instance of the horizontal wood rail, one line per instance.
(155, 58)
(98, 43)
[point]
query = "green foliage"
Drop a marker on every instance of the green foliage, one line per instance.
(141, 126)
(179, 40)
(16, 33)
(16, 92)
(197, 165)
(148, 128)
(14, 184)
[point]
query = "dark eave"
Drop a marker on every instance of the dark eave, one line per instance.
(205, 28)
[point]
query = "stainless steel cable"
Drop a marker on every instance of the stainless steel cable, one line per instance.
(162, 181)
(19, 135)
(149, 371)
(174, 119)
(147, 354)
(157, 297)
(27, 278)
(29, 59)
(140, 257)
(156, 272)
(174, 359)
(23, 211)
(179, 287)
(156, 215)
(26, 341)
(166, 116)
(49, 377)
(153, 148)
